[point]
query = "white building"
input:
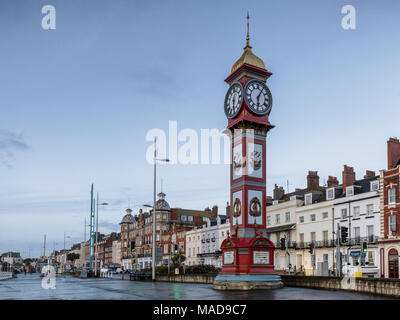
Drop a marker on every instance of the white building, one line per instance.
(203, 245)
(281, 223)
(359, 211)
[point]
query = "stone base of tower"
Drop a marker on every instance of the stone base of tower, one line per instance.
(247, 282)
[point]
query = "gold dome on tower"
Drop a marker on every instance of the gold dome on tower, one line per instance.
(248, 56)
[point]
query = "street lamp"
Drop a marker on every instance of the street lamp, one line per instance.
(154, 212)
(97, 229)
(65, 253)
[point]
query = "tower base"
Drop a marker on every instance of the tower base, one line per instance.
(247, 282)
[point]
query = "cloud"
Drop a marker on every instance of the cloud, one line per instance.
(9, 144)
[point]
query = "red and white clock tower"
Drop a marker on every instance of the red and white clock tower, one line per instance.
(248, 259)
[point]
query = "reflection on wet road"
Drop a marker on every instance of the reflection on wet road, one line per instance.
(71, 288)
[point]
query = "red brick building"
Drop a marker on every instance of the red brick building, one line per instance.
(390, 212)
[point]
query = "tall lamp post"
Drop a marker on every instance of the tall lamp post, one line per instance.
(65, 253)
(97, 229)
(153, 252)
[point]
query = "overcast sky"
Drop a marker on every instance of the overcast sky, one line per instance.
(77, 102)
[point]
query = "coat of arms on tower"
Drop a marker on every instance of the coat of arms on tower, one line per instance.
(237, 161)
(255, 160)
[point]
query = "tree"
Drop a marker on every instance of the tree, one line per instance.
(178, 259)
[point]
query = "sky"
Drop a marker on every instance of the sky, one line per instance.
(77, 102)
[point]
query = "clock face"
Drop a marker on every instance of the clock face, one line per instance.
(258, 97)
(233, 100)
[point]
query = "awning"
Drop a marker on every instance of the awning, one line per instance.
(282, 228)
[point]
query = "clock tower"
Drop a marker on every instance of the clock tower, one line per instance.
(247, 254)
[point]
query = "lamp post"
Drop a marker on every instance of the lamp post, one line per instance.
(153, 263)
(65, 253)
(97, 229)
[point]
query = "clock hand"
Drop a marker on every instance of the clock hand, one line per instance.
(258, 98)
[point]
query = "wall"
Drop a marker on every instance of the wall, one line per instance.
(190, 278)
(389, 287)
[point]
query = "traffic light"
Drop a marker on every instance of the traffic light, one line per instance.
(133, 245)
(175, 248)
(344, 234)
(311, 248)
(283, 243)
(364, 247)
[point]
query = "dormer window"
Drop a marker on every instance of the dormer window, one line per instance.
(375, 185)
(330, 194)
(349, 191)
(308, 198)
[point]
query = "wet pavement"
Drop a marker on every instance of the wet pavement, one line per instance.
(70, 288)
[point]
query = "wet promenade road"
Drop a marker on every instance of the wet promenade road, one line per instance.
(71, 288)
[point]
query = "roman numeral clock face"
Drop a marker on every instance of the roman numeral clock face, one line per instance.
(258, 97)
(233, 100)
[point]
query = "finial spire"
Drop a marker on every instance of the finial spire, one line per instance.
(248, 35)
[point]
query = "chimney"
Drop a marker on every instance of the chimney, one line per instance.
(332, 181)
(312, 180)
(349, 176)
(279, 192)
(215, 211)
(393, 150)
(228, 211)
(369, 174)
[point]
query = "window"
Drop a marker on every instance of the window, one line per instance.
(312, 235)
(324, 215)
(349, 191)
(158, 216)
(308, 198)
(392, 195)
(392, 223)
(357, 232)
(330, 193)
(164, 216)
(344, 213)
(222, 233)
(158, 228)
(370, 231)
(183, 218)
(301, 238)
(356, 211)
(370, 209)
(312, 217)
(374, 185)
(293, 198)
(277, 218)
(190, 249)
(269, 220)
(287, 215)
(275, 202)
(301, 219)
(325, 236)
(158, 237)
(190, 218)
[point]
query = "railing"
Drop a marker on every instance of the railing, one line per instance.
(328, 243)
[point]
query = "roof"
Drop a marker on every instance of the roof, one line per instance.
(128, 218)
